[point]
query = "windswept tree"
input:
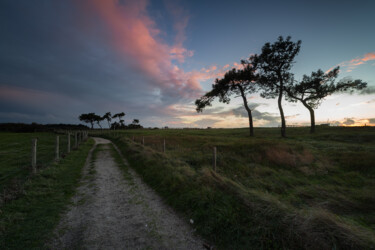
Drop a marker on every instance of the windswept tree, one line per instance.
(135, 121)
(274, 64)
(119, 116)
(108, 116)
(238, 82)
(135, 124)
(88, 118)
(312, 90)
(98, 119)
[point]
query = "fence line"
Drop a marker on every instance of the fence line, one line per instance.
(68, 147)
(33, 154)
(78, 138)
(214, 160)
(57, 153)
(214, 155)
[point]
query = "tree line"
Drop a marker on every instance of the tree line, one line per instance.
(92, 118)
(268, 73)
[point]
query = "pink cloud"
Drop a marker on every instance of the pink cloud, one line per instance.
(28, 96)
(237, 65)
(37, 99)
(135, 35)
(369, 57)
(354, 63)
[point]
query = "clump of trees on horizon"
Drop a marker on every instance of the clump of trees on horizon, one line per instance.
(269, 73)
(92, 118)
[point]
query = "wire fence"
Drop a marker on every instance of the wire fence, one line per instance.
(23, 154)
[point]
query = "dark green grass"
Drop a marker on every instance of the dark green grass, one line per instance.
(28, 221)
(324, 181)
(15, 156)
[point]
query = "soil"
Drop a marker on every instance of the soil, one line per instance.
(113, 212)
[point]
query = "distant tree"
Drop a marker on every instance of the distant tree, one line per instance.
(135, 121)
(108, 116)
(312, 90)
(274, 64)
(115, 125)
(238, 82)
(119, 116)
(134, 125)
(88, 118)
(98, 119)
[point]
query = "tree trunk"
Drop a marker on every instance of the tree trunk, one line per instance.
(283, 125)
(92, 125)
(251, 127)
(312, 117)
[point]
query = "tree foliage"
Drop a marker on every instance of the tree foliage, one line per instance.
(273, 65)
(98, 119)
(88, 118)
(312, 90)
(119, 116)
(108, 116)
(235, 82)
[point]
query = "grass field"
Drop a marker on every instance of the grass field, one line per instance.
(15, 158)
(28, 221)
(304, 191)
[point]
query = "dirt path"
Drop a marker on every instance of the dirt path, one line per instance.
(113, 212)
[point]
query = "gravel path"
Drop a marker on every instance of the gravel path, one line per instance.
(113, 212)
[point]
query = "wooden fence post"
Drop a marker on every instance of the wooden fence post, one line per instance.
(143, 140)
(164, 146)
(57, 153)
(33, 154)
(214, 159)
(68, 149)
(76, 139)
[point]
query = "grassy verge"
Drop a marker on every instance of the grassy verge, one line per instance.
(25, 223)
(15, 158)
(120, 162)
(300, 192)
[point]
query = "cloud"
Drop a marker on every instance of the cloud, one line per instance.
(214, 110)
(354, 63)
(292, 116)
(367, 91)
(371, 120)
(134, 34)
(263, 118)
(206, 122)
(348, 121)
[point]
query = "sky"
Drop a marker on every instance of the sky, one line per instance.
(153, 59)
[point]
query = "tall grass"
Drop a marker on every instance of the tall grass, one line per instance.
(15, 158)
(306, 191)
(28, 221)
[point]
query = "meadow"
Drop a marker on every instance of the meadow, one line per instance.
(15, 158)
(312, 191)
(33, 203)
